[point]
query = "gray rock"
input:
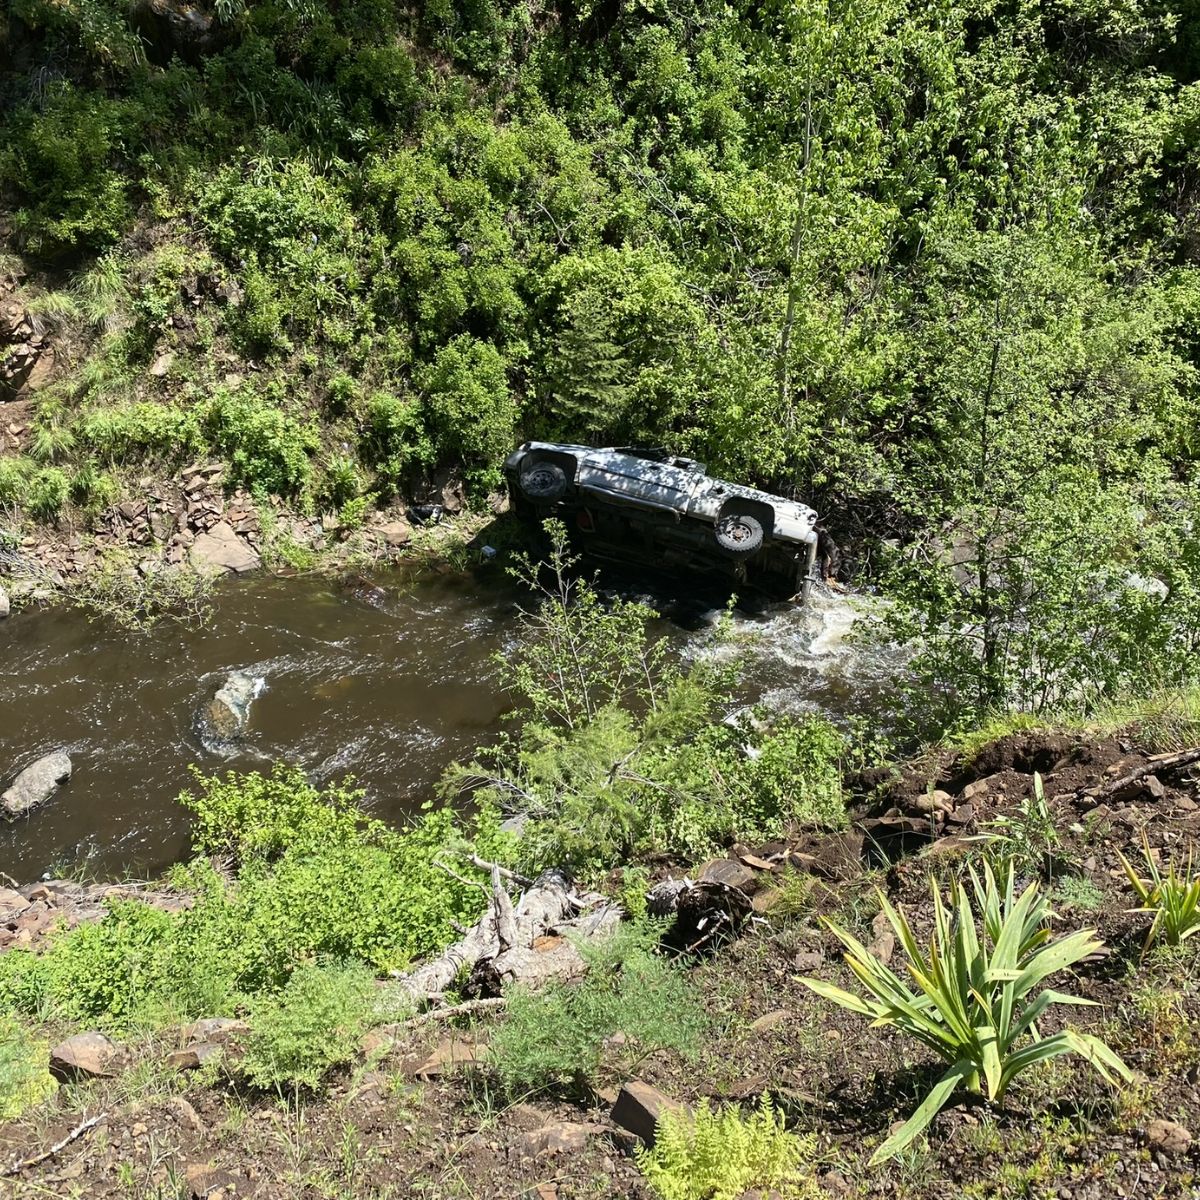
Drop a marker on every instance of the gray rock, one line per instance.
(5, 605)
(228, 712)
(36, 784)
(220, 549)
(84, 1056)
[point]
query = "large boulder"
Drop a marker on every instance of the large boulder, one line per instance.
(85, 1056)
(36, 784)
(220, 549)
(227, 714)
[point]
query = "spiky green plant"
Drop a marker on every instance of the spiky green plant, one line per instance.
(1174, 899)
(976, 1003)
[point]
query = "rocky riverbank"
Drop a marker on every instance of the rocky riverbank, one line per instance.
(419, 1100)
(192, 523)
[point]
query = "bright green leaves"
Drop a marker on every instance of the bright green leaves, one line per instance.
(975, 1004)
(1173, 898)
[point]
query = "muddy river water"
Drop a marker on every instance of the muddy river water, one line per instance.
(387, 685)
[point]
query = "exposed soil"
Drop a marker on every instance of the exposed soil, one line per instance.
(383, 1130)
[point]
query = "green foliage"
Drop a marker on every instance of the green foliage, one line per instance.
(314, 1023)
(1027, 835)
(24, 1080)
(723, 1155)
(1174, 898)
(556, 1038)
(46, 493)
(268, 448)
(976, 1005)
(468, 401)
(58, 162)
(140, 432)
(623, 749)
(294, 848)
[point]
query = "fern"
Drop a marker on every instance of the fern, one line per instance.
(720, 1155)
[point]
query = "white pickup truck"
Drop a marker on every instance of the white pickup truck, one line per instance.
(651, 507)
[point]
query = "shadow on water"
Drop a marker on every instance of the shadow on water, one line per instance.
(388, 680)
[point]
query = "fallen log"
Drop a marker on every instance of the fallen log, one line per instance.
(524, 943)
(1160, 762)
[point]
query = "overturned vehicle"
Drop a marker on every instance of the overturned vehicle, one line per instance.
(656, 509)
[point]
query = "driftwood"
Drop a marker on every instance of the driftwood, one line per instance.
(1160, 762)
(524, 942)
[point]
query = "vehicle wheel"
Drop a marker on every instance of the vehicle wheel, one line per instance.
(739, 534)
(544, 481)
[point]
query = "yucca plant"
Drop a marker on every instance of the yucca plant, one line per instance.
(1174, 899)
(976, 1003)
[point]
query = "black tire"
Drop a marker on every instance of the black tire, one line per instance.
(739, 534)
(544, 481)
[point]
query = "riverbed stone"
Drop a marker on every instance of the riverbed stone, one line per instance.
(220, 549)
(228, 712)
(36, 784)
(5, 604)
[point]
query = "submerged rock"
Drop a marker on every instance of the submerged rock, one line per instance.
(227, 714)
(36, 784)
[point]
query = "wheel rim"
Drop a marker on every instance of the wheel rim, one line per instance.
(736, 531)
(541, 479)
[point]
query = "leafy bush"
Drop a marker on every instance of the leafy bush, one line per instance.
(723, 1155)
(1174, 898)
(267, 449)
(556, 1038)
(315, 1022)
(316, 879)
(47, 493)
(24, 1080)
(59, 164)
(136, 432)
(975, 1003)
(470, 406)
(625, 750)
(394, 438)
(14, 479)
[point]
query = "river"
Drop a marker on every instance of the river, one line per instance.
(388, 684)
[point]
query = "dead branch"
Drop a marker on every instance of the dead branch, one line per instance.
(483, 1004)
(23, 1164)
(1160, 762)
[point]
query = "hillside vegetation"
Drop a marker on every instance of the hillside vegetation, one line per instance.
(932, 267)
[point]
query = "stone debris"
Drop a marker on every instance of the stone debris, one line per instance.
(29, 914)
(36, 784)
(639, 1108)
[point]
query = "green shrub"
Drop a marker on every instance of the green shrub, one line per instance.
(316, 879)
(93, 490)
(394, 437)
(115, 590)
(314, 1023)
(556, 1038)
(470, 407)
(976, 1006)
(14, 479)
(136, 432)
(58, 162)
(47, 493)
(268, 449)
(724, 1155)
(24, 1080)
